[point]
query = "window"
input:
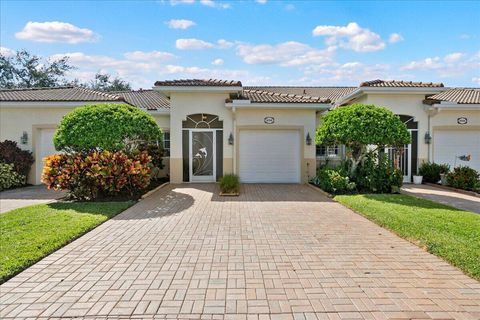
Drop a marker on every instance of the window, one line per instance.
(327, 151)
(166, 143)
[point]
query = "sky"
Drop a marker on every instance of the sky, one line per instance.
(263, 42)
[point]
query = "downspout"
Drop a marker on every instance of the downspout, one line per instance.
(235, 141)
(430, 133)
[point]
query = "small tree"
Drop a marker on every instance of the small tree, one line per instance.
(358, 126)
(105, 82)
(106, 127)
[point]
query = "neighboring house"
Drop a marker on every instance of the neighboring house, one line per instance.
(263, 134)
(30, 116)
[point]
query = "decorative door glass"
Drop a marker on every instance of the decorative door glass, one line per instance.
(202, 153)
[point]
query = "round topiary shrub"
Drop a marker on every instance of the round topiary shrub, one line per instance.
(106, 127)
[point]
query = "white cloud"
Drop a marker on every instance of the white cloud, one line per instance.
(261, 1)
(218, 62)
(476, 80)
(146, 56)
(351, 73)
(141, 73)
(215, 4)
(451, 65)
(7, 52)
(453, 57)
(224, 44)
(197, 44)
(290, 53)
(290, 7)
(192, 44)
(175, 2)
(357, 38)
(55, 31)
(395, 37)
(180, 24)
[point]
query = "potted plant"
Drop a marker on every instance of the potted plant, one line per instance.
(230, 185)
(444, 170)
(418, 178)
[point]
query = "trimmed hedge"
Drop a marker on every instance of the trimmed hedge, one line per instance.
(106, 127)
(431, 171)
(463, 177)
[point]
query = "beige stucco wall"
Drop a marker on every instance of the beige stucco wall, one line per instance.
(183, 104)
(14, 121)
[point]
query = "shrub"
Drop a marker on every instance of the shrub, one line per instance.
(334, 181)
(9, 178)
(463, 177)
(358, 126)
(431, 171)
(230, 183)
(378, 175)
(87, 176)
(156, 152)
(106, 127)
(22, 160)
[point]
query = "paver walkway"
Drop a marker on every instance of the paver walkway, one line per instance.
(451, 198)
(275, 252)
(27, 196)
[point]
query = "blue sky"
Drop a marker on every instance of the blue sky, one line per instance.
(257, 42)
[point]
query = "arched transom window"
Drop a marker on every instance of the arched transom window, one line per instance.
(202, 120)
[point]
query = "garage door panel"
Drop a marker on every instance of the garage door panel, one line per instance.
(271, 156)
(448, 145)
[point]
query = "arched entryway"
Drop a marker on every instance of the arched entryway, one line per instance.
(202, 148)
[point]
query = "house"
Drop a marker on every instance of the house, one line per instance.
(263, 134)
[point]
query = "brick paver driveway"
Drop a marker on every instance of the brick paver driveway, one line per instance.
(277, 251)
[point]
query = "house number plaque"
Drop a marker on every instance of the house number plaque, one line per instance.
(269, 120)
(462, 120)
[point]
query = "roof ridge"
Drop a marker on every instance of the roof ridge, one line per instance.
(37, 88)
(301, 87)
(102, 93)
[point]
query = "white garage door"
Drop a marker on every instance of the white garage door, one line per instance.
(269, 156)
(448, 145)
(44, 148)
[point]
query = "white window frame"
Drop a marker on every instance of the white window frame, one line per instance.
(166, 155)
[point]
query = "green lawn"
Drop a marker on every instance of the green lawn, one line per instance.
(29, 234)
(449, 233)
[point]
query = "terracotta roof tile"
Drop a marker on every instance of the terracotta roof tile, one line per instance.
(262, 96)
(146, 99)
(199, 83)
(56, 94)
(330, 93)
(400, 84)
(458, 95)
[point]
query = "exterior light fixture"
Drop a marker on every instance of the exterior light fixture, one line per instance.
(308, 140)
(230, 139)
(24, 137)
(428, 138)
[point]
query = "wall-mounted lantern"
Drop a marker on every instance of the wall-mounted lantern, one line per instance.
(24, 137)
(308, 140)
(230, 139)
(428, 138)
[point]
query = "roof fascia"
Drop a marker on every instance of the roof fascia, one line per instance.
(308, 106)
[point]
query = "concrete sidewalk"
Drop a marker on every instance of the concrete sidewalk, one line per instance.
(443, 196)
(27, 196)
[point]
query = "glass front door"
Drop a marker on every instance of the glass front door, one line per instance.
(202, 155)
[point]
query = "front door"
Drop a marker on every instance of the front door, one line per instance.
(202, 155)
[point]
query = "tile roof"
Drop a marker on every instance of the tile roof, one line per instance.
(262, 96)
(56, 94)
(458, 95)
(145, 99)
(199, 83)
(331, 93)
(400, 84)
